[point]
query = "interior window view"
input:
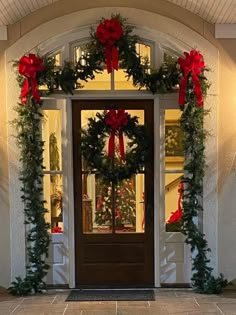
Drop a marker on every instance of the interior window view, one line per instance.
(53, 180)
(174, 160)
(101, 200)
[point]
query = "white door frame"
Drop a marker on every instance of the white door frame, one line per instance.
(159, 101)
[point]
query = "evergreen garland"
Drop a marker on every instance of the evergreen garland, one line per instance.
(31, 175)
(192, 124)
(68, 78)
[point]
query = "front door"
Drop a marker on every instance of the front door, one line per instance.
(114, 224)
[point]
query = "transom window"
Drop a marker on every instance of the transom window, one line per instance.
(152, 54)
(117, 80)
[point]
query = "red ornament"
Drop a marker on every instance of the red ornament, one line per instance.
(177, 215)
(57, 229)
(108, 33)
(115, 120)
(29, 66)
(193, 63)
(118, 214)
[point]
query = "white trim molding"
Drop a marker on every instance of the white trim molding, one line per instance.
(225, 30)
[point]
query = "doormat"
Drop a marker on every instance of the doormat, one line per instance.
(112, 295)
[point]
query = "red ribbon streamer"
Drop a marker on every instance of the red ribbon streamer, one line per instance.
(108, 33)
(29, 66)
(115, 120)
(177, 215)
(193, 63)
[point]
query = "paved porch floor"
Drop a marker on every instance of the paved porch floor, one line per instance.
(184, 302)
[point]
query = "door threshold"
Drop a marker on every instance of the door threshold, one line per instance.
(85, 287)
(175, 286)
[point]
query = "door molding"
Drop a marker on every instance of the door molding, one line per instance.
(171, 100)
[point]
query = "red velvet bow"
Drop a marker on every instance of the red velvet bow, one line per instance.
(108, 33)
(115, 120)
(177, 215)
(29, 66)
(193, 63)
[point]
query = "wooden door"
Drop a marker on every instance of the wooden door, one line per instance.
(116, 252)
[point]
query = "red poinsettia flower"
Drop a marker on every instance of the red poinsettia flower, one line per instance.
(57, 229)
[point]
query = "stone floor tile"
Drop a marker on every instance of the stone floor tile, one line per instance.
(38, 312)
(179, 308)
(209, 308)
(39, 299)
(158, 309)
(7, 307)
(227, 308)
(9, 298)
(139, 312)
(91, 306)
(129, 307)
(215, 299)
(87, 312)
(73, 312)
(174, 299)
(35, 309)
(60, 298)
(199, 313)
(132, 304)
(163, 293)
(191, 293)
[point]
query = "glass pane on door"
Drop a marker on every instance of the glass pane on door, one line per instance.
(129, 205)
(109, 208)
(96, 205)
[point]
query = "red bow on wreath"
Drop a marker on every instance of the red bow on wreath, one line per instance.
(108, 33)
(193, 63)
(115, 120)
(29, 66)
(177, 215)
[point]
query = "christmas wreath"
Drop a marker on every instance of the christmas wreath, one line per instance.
(117, 164)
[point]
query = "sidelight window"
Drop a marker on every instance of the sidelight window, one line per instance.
(174, 159)
(53, 178)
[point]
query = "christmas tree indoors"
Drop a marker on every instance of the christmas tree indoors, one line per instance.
(124, 204)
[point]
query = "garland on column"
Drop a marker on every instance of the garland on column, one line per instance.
(28, 125)
(193, 87)
(112, 42)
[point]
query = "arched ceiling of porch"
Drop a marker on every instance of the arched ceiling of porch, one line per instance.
(212, 11)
